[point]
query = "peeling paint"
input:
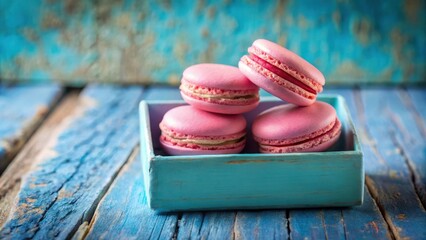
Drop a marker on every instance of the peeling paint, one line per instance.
(348, 68)
(51, 20)
(412, 9)
(208, 55)
(362, 30)
(337, 19)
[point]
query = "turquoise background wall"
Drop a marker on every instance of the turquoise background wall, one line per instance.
(132, 41)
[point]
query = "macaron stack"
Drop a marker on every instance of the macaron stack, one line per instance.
(303, 125)
(213, 123)
(219, 94)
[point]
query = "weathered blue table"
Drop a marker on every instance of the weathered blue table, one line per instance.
(74, 171)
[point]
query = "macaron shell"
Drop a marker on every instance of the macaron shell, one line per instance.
(273, 88)
(219, 108)
(190, 120)
(290, 59)
(177, 150)
(288, 121)
(218, 76)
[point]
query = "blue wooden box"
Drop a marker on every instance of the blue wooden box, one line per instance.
(250, 180)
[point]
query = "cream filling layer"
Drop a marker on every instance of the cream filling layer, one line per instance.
(201, 140)
(191, 90)
(205, 142)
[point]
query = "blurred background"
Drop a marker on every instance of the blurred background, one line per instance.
(130, 41)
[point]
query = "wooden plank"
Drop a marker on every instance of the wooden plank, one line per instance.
(23, 108)
(360, 222)
(77, 166)
(389, 176)
(208, 225)
(271, 224)
(79, 41)
(12, 178)
(307, 224)
(365, 221)
(123, 208)
(123, 213)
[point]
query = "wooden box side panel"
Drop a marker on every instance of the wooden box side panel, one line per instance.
(255, 182)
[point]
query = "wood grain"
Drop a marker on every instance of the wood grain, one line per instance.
(12, 178)
(270, 224)
(23, 107)
(123, 213)
(63, 189)
(154, 41)
(123, 208)
(415, 102)
(208, 225)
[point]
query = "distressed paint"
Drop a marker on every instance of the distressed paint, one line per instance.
(22, 108)
(123, 213)
(124, 207)
(416, 152)
(236, 177)
(269, 224)
(149, 41)
(77, 167)
(388, 121)
(394, 157)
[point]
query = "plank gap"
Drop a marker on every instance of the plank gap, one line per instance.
(344, 224)
(176, 231)
(90, 214)
(233, 225)
(368, 182)
(287, 217)
(323, 223)
(374, 194)
(411, 169)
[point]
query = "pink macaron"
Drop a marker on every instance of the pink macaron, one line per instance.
(290, 128)
(282, 73)
(186, 130)
(218, 88)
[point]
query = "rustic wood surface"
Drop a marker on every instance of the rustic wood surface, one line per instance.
(83, 41)
(22, 109)
(79, 176)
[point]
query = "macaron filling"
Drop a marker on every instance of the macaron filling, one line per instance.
(173, 138)
(298, 144)
(219, 96)
(280, 72)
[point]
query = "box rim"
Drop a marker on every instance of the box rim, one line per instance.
(144, 111)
